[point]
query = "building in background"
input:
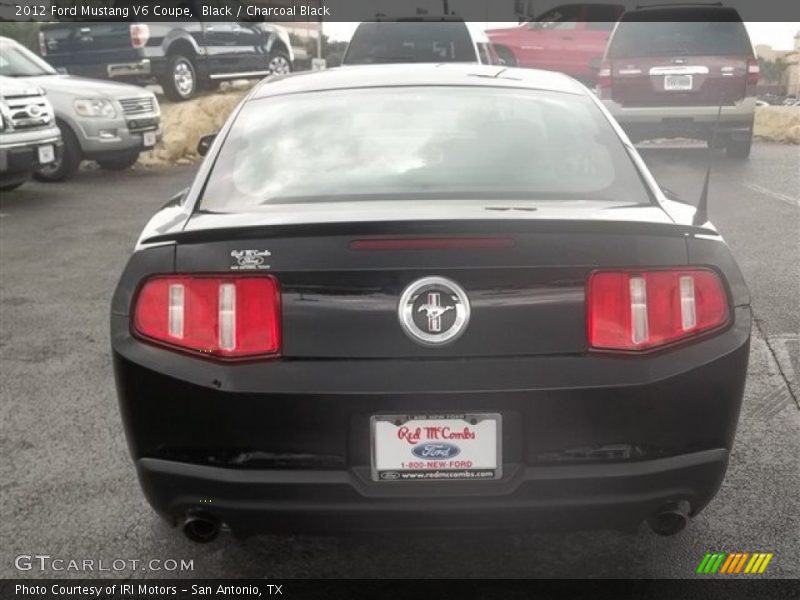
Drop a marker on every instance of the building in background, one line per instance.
(780, 69)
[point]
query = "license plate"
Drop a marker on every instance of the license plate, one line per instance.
(47, 154)
(149, 138)
(436, 447)
(677, 82)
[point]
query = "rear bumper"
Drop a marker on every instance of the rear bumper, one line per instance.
(139, 68)
(588, 440)
(127, 68)
(684, 121)
(614, 496)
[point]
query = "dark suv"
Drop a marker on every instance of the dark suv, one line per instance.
(419, 40)
(667, 71)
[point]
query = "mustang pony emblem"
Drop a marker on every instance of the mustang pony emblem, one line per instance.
(434, 311)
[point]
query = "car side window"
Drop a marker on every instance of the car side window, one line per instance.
(483, 53)
(602, 17)
(560, 18)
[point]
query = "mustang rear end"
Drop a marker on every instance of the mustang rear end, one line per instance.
(420, 297)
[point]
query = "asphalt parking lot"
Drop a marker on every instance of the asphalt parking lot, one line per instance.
(68, 488)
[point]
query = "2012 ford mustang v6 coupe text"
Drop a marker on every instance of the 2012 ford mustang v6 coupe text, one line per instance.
(428, 297)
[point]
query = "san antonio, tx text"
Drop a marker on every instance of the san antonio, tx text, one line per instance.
(131, 589)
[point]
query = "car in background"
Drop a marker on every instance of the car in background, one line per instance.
(29, 138)
(184, 57)
(104, 121)
(455, 299)
(567, 38)
(419, 40)
(668, 70)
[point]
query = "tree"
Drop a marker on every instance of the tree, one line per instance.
(25, 32)
(772, 71)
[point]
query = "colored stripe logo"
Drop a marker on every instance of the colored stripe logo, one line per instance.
(734, 563)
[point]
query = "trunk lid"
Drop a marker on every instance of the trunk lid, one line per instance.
(679, 80)
(524, 277)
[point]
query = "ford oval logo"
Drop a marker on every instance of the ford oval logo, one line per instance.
(436, 451)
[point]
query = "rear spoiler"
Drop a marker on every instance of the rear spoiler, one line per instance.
(466, 227)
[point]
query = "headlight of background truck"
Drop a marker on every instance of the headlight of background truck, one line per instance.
(94, 107)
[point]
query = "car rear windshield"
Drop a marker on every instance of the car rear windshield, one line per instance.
(681, 33)
(413, 41)
(419, 143)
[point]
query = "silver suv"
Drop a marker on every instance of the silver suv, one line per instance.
(29, 138)
(104, 121)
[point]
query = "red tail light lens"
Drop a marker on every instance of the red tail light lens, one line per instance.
(140, 34)
(227, 317)
(42, 44)
(640, 310)
(753, 71)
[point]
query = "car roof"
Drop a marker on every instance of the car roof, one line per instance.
(416, 74)
(476, 31)
(684, 11)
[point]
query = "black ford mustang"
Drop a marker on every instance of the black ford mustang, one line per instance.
(428, 297)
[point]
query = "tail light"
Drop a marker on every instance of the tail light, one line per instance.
(753, 72)
(604, 80)
(42, 44)
(641, 310)
(140, 34)
(226, 317)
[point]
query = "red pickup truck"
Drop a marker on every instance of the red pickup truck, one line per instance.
(566, 38)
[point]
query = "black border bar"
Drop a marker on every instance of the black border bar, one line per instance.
(367, 589)
(352, 10)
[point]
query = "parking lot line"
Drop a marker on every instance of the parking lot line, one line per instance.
(777, 196)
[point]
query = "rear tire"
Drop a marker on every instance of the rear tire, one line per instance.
(66, 166)
(739, 148)
(119, 163)
(180, 81)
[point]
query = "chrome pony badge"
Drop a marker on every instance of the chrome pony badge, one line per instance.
(434, 311)
(249, 260)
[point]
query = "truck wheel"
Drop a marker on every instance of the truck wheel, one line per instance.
(119, 163)
(180, 82)
(65, 166)
(739, 148)
(279, 63)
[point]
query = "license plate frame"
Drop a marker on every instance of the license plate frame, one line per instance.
(149, 139)
(678, 83)
(46, 154)
(481, 456)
